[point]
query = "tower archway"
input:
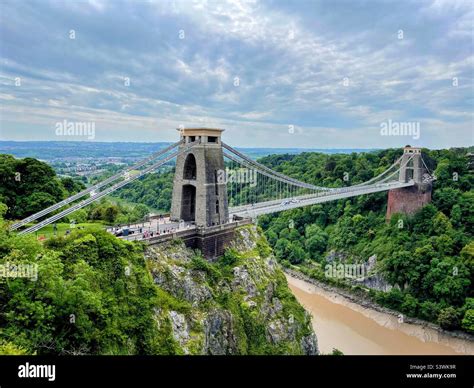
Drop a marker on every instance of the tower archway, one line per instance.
(190, 168)
(188, 203)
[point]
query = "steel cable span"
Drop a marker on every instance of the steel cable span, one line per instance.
(105, 192)
(269, 174)
(296, 182)
(261, 167)
(93, 188)
(380, 175)
(357, 189)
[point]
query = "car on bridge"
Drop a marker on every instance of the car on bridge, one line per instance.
(124, 232)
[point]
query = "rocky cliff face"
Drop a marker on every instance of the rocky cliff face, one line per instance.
(240, 304)
(372, 278)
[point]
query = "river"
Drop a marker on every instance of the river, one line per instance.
(353, 329)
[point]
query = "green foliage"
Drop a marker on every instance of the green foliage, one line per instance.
(297, 254)
(230, 258)
(392, 299)
(154, 191)
(29, 185)
(93, 295)
(448, 318)
(429, 256)
(429, 311)
(316, 240)
(409, 305)
(3, 210)
(468, 321)
(10, 349)
(201, 264)
(115, 211)
(264, 250)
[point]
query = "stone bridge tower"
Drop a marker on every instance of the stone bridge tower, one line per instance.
(199, 192)
(411, 169)
(408, 200)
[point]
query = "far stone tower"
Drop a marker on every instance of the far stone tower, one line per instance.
(408, 200)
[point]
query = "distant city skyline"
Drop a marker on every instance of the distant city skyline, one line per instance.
(274, 74)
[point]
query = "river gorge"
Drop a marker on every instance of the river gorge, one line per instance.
(356, 330)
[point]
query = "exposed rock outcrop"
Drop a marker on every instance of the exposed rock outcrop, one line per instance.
(240, 304)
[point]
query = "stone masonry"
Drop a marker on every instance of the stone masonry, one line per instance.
(199, 193)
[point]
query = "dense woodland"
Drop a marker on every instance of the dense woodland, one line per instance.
(429, 257)
(84, 302)
(29, 185)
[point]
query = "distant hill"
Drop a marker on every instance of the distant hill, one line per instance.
(48, 150)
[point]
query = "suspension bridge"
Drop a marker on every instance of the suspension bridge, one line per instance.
(215, 185)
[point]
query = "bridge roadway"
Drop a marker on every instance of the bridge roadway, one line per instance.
(150, 229)
(274, 206)
(164, 226)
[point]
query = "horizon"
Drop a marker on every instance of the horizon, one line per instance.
(161, 142)
(248, 147)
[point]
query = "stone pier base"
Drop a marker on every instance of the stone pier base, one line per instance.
(211, 241)
(408, 200)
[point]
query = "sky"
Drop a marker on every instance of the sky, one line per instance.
(313, 74)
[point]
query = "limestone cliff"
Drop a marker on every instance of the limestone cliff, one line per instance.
(240, 304)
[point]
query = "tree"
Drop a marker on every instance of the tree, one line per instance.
(83, 301)
(456, 215)
(110, 213)
(141, 211)
(297, 254)
(282, 248)
(28, 185)
(447, 280)
(423, 220)
(445, 198)
(429, 310)
(72, 185)
(398, 268)
(409, 305)
(448, 318)
(468, 321)
(3, 210)
(467, 255)
(316, 240)
(441, 224)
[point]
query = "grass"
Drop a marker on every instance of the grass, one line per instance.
(48, 231)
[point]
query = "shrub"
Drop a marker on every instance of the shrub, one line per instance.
(448, 318)
(468, 321)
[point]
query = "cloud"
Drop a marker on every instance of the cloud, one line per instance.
(334, 71)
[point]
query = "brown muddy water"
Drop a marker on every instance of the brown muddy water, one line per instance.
(353, 329)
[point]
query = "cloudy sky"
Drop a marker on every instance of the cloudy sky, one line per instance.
(322, 74)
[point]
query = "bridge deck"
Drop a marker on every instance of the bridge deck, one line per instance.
(305, 200)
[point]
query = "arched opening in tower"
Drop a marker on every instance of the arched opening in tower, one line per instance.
(410, 172)
(188, 203)
(190, 167)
